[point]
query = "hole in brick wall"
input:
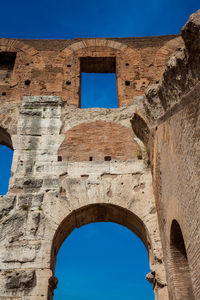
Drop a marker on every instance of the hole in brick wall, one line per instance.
(90, 158)
(127, 82)
(107, 158)
(68, 82)
(59, 158)
(27, 82)
(127, 64)
(7, 58)
(7, 61)
(98, 82)
(4, 94)
(180, 267)
(69, 66)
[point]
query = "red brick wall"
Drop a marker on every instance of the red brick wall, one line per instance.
(97, 140)
(42, 68)
(176, 187)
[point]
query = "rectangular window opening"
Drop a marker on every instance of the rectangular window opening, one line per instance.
(7, 61)
(98, 82)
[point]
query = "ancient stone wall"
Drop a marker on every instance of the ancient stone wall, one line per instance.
(144, 171)
(48, 198)
(172, 108)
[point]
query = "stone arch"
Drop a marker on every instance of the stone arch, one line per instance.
(119, 192)
(100, 212)
(5, 138)
(87, 43)
(179, 264)
(11, 45)
(100, 48)
(78, 117)
(17, 82)
(140, 128)
(8, 45)
(106, 44)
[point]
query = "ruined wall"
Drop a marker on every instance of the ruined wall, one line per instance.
(54, 67)
(172, 108)
(48, 198)
(50, 193)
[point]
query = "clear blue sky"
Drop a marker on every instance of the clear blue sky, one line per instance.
(91, 18)
(6, 155)
(103, 260)
(98, 90)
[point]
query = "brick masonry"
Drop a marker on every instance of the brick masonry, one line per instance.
(149, 180)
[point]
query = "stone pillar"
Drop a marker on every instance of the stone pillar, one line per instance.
(24, 244)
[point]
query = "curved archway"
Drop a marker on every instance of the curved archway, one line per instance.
(107, 261)
(140, 128)
(100, 42)
(5, 138)
(105, 56)
(91, 214)
(6, 154)
(98, 213)
(16, 45)
(180, 267)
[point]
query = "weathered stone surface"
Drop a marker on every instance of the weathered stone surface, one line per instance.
(13, 225)
(190, 32)
(136, 165)
(30, 200)
(22, 280)
(6, 205)
(20, 253)
(180, 75)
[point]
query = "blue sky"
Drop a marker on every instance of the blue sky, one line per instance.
(91, 18)
(103, 261)
(98, 90)
(97, 261)
(6, 155)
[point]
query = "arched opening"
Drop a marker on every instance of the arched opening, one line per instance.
(92, 214)
(180, 267)
(6, 155)
(102, 261)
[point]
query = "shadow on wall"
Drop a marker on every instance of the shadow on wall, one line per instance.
(180, 267)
